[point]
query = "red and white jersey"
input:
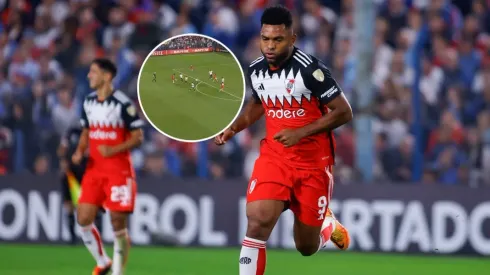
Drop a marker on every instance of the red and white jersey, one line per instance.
(109, 123)
(293, 96)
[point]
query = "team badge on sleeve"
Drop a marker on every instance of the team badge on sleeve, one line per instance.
(131, 110)
(318, 75)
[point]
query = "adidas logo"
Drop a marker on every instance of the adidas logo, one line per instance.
(261, 87)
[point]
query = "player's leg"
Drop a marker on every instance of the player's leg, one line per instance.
(91, 198)
(266, 200)
(121, 195)
(312, 228)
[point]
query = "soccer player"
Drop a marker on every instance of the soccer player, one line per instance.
(210, 74)
(154, 77)
(302, 104)
(192, 68)
(173, 78)
(185, 79)
(222, 80)
(111, 128)
(222, 87)
(181, 77)
(193, 87)
(215, 78)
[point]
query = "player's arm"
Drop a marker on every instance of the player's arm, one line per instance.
(252, 112)
(329, 93)
(135, 140)
(83, 141)
(340, 113)
(132, 122)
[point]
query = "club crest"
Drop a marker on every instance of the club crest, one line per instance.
(289, 85)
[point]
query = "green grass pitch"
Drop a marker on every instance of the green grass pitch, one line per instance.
(61, 260)
(185, 114)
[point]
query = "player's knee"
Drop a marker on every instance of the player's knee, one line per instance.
(260, 226)
(306, 249)
(84, 219)
(119, 222)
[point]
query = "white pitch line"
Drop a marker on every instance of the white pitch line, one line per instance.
(229, 99)
(209, 85)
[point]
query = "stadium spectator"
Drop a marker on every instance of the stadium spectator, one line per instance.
(47, 45)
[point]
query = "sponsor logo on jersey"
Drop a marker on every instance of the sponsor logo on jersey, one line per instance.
(103, 135)
(282, 113)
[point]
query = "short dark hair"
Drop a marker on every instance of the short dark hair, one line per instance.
(106, 65)
(277, 15)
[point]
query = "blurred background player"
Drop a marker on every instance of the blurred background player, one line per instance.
(222, 80)
(215, 78)
(181, 77)
(222, 87)
(186, 79)
(211, 74)
(297, 155)
(173, 78)
(192, 67)
(111, 127)
(193, 87)
(154, 77)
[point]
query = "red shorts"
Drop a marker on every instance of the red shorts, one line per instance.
(116, 193)
(308, 191)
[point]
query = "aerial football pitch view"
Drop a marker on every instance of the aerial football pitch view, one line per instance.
(188, 114)
(60, 260)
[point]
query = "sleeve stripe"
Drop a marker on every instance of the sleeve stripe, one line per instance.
(304, 54)
(302, 58)
(300, 61)
(137, 123)
(256, 61)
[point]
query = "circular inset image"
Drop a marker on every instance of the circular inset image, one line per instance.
(191, 87)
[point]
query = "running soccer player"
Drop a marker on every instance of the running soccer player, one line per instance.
(193, 87)
(154, 77)
(173, 78)
(210, 74)
(111, 128)
(185, 79)
(215, 78)
(181, 77)
(192, 68)
(222, 80)
(222, 87)
(294, 169)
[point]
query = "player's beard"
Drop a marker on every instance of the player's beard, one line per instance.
(279, 60)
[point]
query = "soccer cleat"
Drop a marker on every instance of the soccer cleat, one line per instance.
(340, 236)
(102, 270)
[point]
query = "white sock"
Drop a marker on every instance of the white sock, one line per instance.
(121, 249)
(92, 240)
(252, 257)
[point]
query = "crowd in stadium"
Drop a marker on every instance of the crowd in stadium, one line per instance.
(47, 45)
(187, 42)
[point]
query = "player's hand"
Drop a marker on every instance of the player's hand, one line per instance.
(288, 137)
(106, 151)
(224, 137)
(77, 157)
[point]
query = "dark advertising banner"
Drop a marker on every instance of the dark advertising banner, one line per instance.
(184, 51)
(391, 218)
